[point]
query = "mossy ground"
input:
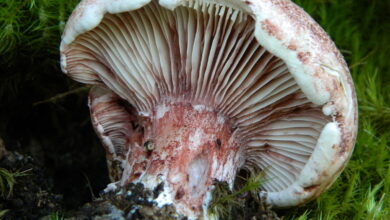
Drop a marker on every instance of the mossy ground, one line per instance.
(59, 132)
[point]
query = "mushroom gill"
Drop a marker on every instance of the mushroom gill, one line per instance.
(197, 72)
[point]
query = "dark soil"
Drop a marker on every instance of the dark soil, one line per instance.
(59, 178)
(41, 195)
(132, 202)
(32, 196)
(135, 203)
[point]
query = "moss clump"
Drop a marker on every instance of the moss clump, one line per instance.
(243, 202)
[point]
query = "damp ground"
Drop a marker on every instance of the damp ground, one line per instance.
(39, 192)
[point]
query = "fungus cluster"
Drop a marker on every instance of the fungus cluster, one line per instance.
(192, 91)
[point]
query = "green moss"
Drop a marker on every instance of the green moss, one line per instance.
(241, 203)
(8, 180)
(55, 216)
(32, 23)
(224, 200)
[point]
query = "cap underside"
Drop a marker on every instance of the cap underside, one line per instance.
(205, 54)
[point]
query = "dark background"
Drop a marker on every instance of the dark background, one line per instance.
(58, 132)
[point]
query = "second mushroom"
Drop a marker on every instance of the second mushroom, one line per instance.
(193, 91)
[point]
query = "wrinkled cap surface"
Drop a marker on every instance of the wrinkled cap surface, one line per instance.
(264, 65)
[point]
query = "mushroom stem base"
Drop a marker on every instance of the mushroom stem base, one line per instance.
(188, 148)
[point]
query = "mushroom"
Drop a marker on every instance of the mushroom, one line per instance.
(192, 91)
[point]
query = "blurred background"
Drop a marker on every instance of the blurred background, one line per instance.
(45, 115)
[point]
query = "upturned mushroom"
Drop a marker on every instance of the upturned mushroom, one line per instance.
(192, 91)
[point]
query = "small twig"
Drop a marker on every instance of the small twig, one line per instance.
(362, 61)
(89, 186)
(62, 95)
(3, 150)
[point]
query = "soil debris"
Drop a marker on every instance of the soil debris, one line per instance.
(31, 196)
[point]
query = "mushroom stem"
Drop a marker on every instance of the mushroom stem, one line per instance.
(184, 147)
(192, 147)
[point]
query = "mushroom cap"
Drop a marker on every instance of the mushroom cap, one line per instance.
(302, 141)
